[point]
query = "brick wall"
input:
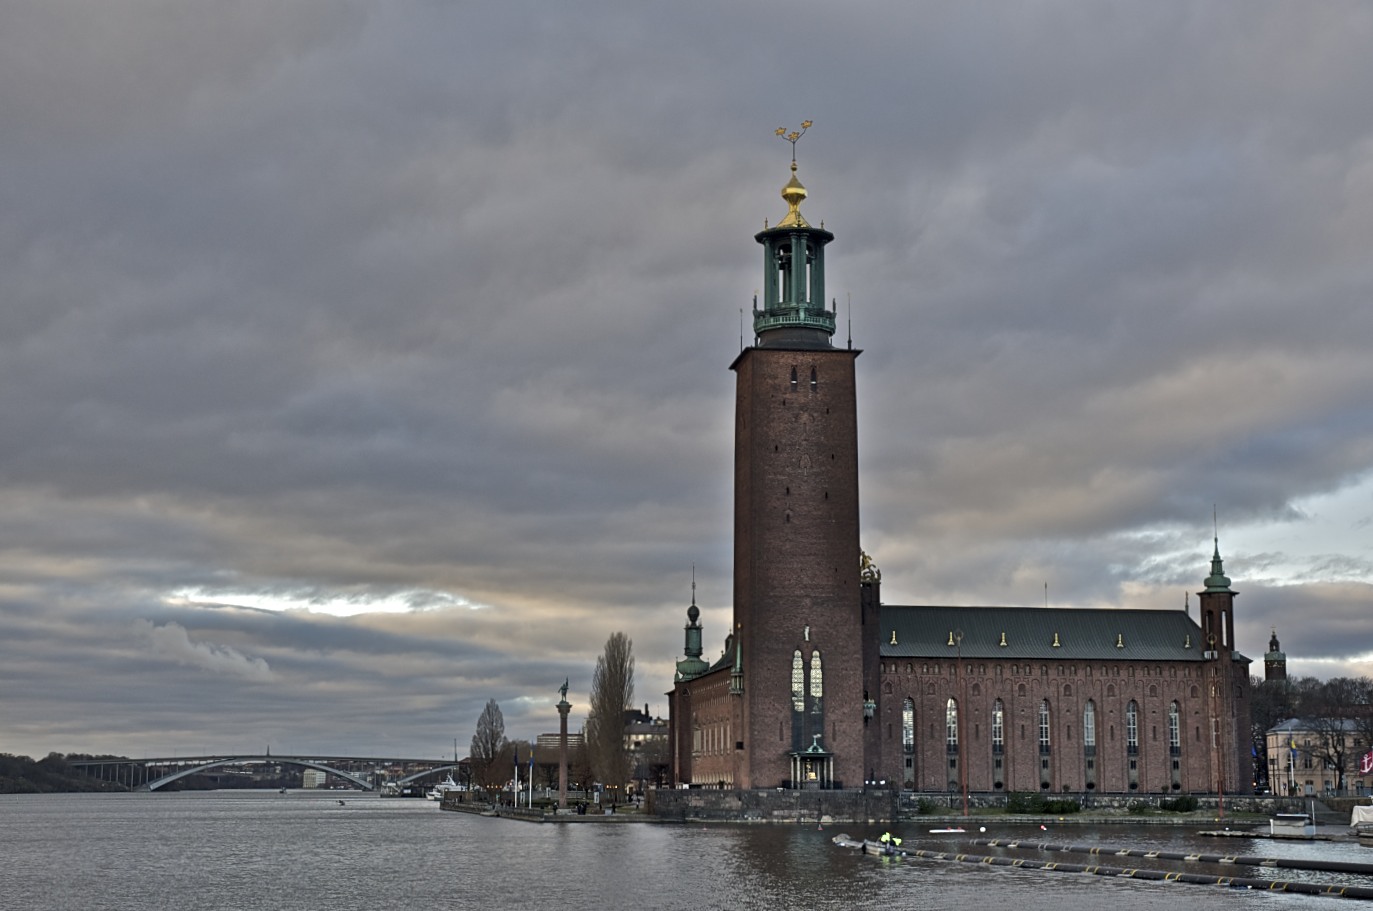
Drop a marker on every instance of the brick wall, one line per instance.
(1023, 686)
(796, 554)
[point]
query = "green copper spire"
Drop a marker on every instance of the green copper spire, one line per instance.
(1218, 581)
(692, 665)
(794, 314)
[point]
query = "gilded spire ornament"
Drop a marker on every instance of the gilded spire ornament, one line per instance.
(794, 135)
(794, 192)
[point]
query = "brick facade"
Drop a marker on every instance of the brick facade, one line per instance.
(1205, 692)
(796, 560)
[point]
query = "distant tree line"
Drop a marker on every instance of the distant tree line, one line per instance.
(51, 774)
(1338, 717)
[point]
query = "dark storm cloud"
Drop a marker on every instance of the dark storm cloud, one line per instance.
(432, 304)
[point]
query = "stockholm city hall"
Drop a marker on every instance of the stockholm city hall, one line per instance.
(820, 685)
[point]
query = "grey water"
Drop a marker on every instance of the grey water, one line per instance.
(242, 851)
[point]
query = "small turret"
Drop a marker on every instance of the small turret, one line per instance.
(1217, 608)
(692, 665)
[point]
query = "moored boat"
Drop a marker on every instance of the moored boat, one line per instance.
(443, 787)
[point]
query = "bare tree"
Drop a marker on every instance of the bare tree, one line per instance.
(612, 693)
(490, 750)
(1271, 704)
(1334, 727)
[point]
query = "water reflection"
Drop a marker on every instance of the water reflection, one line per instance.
(230, 852)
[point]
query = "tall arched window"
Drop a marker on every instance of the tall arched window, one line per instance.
(1044, 726)
(817, 682)
(1175, 744)
(798, 682)
(1132, 727)
(1089, 744)
(951, 725)
(813, 380)
(908, 726)
(998, 727)
(793, 379)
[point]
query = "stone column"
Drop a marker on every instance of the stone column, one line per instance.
(563, 708)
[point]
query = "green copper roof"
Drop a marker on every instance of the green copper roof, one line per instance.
(1218, 581)
(1040, 634)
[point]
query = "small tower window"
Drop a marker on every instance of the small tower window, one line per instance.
(793, 379)
(814, 384)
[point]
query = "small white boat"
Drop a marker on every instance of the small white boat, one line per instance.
(1292, 825)
(443, 787)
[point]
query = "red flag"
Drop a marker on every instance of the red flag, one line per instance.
(1366, 763)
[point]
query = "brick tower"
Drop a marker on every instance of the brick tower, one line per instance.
(1228, 690)
(797, 638)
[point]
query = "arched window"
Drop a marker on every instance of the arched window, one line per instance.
(998, 727)
(1089, 745)
(813, 380)
(1174, 729)
(908, 726)
(793, 379)
(951, 725)
(1044, 726)
(817, 682)
(798, 682)
(1132, 727)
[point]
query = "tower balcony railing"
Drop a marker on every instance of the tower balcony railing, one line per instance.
(793, 318)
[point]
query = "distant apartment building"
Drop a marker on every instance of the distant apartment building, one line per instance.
(1312, 757)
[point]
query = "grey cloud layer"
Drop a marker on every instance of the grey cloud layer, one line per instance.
(337, 300)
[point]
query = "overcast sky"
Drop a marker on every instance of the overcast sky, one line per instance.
(362, 362)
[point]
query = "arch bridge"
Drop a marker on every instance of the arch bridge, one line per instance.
(150, 774)
(255, 760)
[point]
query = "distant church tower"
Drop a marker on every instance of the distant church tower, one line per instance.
(797, 637)
(1275, 662)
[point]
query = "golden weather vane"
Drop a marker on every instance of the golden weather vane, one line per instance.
(793, 136)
